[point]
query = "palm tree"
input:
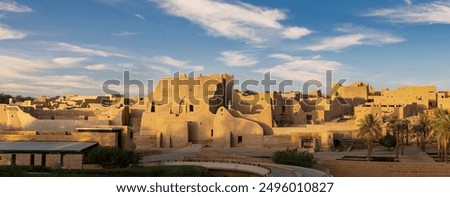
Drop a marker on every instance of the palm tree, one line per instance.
(398, 126)
(408, 128)
(369, 127)
(441, 123)
(422, 127)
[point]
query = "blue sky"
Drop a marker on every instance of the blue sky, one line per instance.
(56, 47)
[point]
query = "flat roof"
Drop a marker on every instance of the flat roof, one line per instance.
(46, 147)
(105, 129)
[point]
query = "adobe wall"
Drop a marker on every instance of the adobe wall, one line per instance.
(61, 125)
(127, 135)
(289, 136)
(13, 118)
(264, 119)
(422, 95)
(356, 93)
(23, 159)
(104, 139)
(250, 104)
(401, 112)
(18, 120)
(254, 107)
(210, 92)
(37, 159)
(443, 100)
(222, 129)
(77, 113)
(5, 159)
(226, 126)
(136, 112)
(3, 117)
(337, 109)
(175, 136)
(179, 128)
(53, 160)
(73, 161)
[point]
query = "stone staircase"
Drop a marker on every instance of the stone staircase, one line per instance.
(212, 155)
(385, 169)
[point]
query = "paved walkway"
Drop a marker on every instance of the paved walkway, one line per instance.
(412, 154)
(411, 163)
(293, 171)
(190, 152)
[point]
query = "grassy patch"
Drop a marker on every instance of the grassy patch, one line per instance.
(159, 171)
(294, 158)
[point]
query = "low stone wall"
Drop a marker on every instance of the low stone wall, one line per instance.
(5, 159)
(70, 161)
(53, 161)
(74, 161)
(37, 159)
(23, 159)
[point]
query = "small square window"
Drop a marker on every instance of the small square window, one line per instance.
(239, 139)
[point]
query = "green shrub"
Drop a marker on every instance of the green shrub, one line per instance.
(21, 171)
(112, 157)
(389, 141)
(157, 171)
(294, 158)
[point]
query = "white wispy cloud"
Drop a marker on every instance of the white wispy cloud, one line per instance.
(88, 51)
(299, 68)
(338, 42)
(12, 6)
(237, 58)
(294, 33)
(354, 36)
(437, 12)
(26, 75)
(99, 67)
(69, 81)
(316, 57)
(105, 67)
(139, 16)
(408, 2)
(160, 69)
(7, 33)
(68, 60)
(240, 21)
(125, 33)
(30, 89)
(282, 56)
(22, 64)
(180, 64)
(19, 66)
